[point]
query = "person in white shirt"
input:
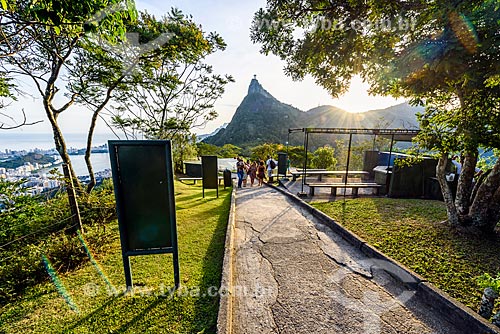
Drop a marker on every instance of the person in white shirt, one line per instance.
(455, 161)
(269, 169)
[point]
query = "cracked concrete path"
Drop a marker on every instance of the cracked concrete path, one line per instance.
(292, 274)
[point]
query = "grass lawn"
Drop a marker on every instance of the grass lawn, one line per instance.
(411, 232)
(201, 225)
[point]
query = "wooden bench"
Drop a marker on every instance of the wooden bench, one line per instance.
(354, 186)
(194, 179)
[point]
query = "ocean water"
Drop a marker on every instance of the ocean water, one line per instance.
(44, 141)
(18, 141)
(100, 162)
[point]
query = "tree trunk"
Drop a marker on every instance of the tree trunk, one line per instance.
(478, 183)
(445, 189)
(63, 153)
(93, 123)
(61, 144)
(494, 211)
(72, 182)
(465, 184)
(88, 150)
(486, 205)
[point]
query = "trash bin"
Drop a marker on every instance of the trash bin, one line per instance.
(228, 182)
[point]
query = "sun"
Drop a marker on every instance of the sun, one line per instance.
(357, 99)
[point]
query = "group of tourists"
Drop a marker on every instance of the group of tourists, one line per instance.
(255, 170)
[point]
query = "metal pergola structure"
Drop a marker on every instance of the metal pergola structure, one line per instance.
(393, 134)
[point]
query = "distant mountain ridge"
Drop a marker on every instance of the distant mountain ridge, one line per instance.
(213, 133)
(261, 118)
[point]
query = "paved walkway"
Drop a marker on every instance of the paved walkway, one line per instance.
(291, 274)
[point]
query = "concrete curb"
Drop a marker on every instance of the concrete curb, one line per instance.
(225, 315)
(451, 309)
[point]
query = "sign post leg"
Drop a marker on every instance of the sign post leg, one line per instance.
(176, 268)
(128, 272)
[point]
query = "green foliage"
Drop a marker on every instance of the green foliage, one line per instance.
(487, 281)
(170, 85)
(201, 227)
(261, 152)
(296, 155)
(98, 207)
(488, 161)
(229, 151)
(206, 149)
(32, 226)
(356, 158)
(174, 88)
(183, 148)
(28, 23)
(323, 158)
(413, 233)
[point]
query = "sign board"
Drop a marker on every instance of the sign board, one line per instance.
(210, 173)
(282, 163)
(144, 191)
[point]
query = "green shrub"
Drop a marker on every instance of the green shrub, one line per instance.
(488, 281)
(98, 207)
(64, 251)
(323, 157)
(33, 226)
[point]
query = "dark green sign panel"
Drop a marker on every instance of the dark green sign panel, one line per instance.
(282, 163)
(209, 172)
(144, 191)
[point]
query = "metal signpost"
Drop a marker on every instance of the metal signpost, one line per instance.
(144, 191)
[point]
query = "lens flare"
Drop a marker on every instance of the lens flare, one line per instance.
(58, 284)
(96, 265)
(464, 31)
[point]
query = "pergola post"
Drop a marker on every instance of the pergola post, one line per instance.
(306, 144)
(388, 165)
(347, 164)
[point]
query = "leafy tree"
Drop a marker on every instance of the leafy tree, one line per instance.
(155, 79)
(9, 38)
(296, 155)
(263, 151)
(41, 41)
(206, 149)
(444, 55)
(324, 158)
(175, 90)
(229, 151)
(183, 148)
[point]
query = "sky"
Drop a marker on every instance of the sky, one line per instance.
(241, 59)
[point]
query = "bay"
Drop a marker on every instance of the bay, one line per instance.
(18, 141)
(100, 162)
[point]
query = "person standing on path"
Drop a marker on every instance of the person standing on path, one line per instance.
(269, 168)
(261, 172)
(240, 165)
(245, 173)
(252, 172)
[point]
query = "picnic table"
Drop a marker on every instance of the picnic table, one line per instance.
(354, 186)
(338, 173)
